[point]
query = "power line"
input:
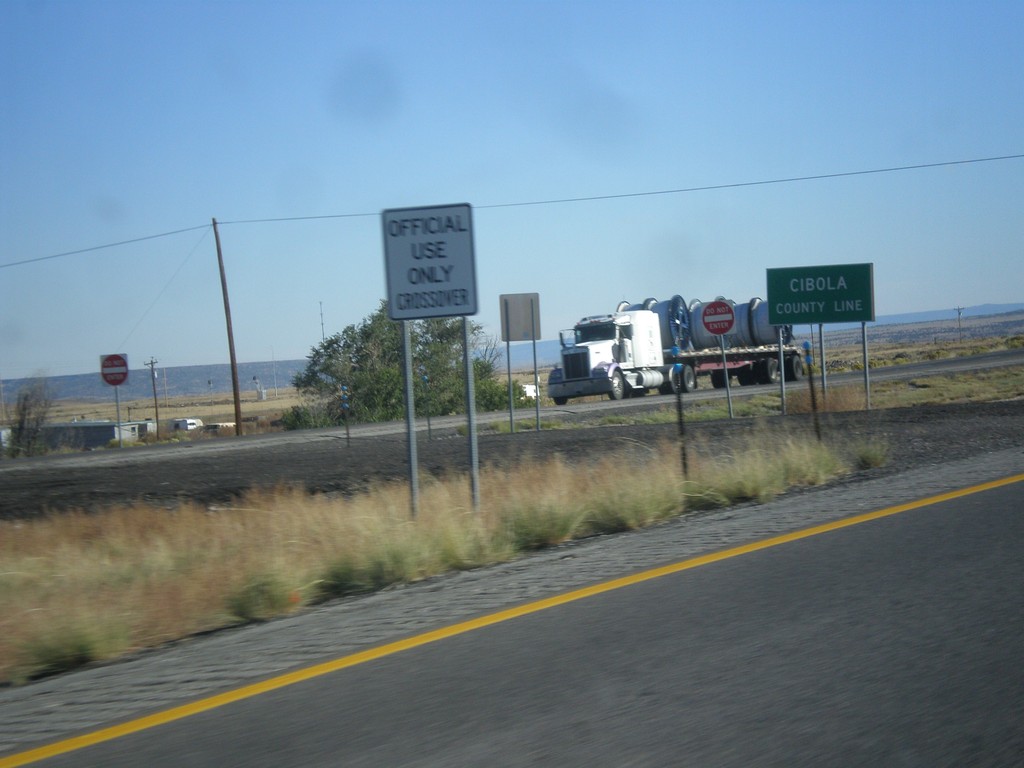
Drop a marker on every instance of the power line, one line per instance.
(101, 247)
(707, 188)
(164, 289)
(738, 184)
(552, 201)
(301, 218)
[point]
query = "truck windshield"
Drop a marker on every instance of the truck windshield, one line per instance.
(599, 332)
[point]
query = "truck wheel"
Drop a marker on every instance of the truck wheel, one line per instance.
(560, 400)
(718, 379)
(746, 376)
(687, 378)
(794, 368)
(618, 387)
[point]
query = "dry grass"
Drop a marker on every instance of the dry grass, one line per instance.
(848, 397)
(1005, 383)
(217, 408)
(81, 587)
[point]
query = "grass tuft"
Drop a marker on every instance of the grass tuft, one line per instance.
(49, 648)
(262, 597)
(870, 453)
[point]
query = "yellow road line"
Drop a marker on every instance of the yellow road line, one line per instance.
(344, 662)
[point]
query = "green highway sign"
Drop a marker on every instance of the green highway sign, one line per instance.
(835, 293)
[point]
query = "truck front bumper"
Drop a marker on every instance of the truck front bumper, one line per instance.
(579, 387)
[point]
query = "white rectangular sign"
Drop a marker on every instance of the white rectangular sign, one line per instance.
(429, 261)
(520, 316)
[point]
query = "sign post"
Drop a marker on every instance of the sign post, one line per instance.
(520, 320)
(114, 371)
(718, 318)
(430, 267)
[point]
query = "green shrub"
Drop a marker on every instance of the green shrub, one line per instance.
(341, 579)
(870, 453)
(262, 597)
(68, 645)
(307, 417)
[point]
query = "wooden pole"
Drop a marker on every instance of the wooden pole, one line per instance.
(156, 403)
(231, 334)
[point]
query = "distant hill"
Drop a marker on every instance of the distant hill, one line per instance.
(204, 379)
(982, 310)
(180, 380)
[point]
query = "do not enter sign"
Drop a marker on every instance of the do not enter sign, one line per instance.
(718, 317)
(114, 369)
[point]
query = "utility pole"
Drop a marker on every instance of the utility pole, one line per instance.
(323, 335)
(156, 403)
(273, 362)
(959, 327)
(231, 335)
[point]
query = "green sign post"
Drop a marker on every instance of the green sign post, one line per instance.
(835, 293)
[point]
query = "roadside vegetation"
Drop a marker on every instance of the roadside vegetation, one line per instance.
(77, 588)
(358, 373)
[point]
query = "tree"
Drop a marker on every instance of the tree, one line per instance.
(367, 359)
(30, 414)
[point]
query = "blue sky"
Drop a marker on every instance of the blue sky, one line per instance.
(124, 120)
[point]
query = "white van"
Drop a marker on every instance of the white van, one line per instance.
(188, 424)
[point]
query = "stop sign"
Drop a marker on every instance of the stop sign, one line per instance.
(718, 317)
(114, 369)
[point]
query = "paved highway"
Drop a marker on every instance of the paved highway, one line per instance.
(777, 635)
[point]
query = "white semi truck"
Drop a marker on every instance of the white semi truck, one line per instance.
(637, 348)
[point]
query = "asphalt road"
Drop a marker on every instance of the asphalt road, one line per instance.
(895, 641)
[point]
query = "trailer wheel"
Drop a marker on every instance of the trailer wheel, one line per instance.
(746, 376)
(718, 379)
(618, 387)
(768, 371)
(560, 400)
(794, 368)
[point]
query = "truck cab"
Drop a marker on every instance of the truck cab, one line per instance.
(606, 355)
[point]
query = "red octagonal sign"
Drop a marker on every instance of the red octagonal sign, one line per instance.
(114, 369)
(718, 317)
